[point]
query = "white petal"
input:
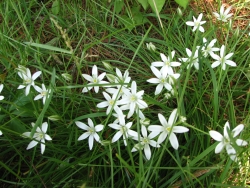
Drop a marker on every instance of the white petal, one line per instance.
(47, 137)
(180, 129)
(157, 64)
(116, 136)
(82, 125)
(230, 150)
(42, 148)
(144, 131)
(32, 144)
(156, 72)
(1, 98)
(96, 136)
(158, 89)
(219, 147)
(115, 126)
(236, 131)
(231, 63)
(216, 135)
(87, 77)
(38, 97)
(153, 80)
(94, 70)
(98, 128)
(147, 151)
(173, 140)
(36, 74)
(241, 142)
(103, 104)
(27, 90)
(215, 64)
(90, 122)
(162, 120)
(84, 136)
(44, 127)
(155, 128)
(163, 57)
(91, 142)
(226, 128)
(172, 117)
(189, 23)
(1, 87)
(162, 137)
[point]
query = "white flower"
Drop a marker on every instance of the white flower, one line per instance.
(110, 102)
(151, 46)
(161, 80)
(91, 132)
(197, 23)
(223, 16)
(28, 80)
(145, 142)
(133, 100)
(209, 48)
(44, 93)
(39, 136)
(1, 133)
(222, 59)
(124, 79)
(168, 128)
(1, 88)
(192, 60)
(123, 129)
(94, 80)
(225, 142)
(166, 63)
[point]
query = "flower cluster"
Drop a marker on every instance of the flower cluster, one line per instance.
(124, 102)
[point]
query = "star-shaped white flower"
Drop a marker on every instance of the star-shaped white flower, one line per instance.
(124, 79)
(225, 142)
(168, 128)
(39, 136)
(43, 93)
(123, 129)
(133, 100)
(166, 63)
(222, 59)
(145, 142)
(1, 88)
(197, 23)
(91, 132)
(94, 79)
(192, 60)
(209, 48)
(28, 80)
(161, 80)
(110, 102)
(223, 16)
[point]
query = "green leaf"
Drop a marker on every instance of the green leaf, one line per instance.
(55, 7)
(137, 15)
(48, 47)
(118, 6)
(128, 23)
(144, 3)
(156, 5)
(182, 3)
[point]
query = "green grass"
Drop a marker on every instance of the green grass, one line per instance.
(96, 33)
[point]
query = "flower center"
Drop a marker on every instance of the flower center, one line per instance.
(92, 130)
(123, 129)
(95, 79)
(167, 63)
(44, 93)
(41, 135)
(133, 98)
(27, 81)
(197, 24)
(145, 141)
(168, 129)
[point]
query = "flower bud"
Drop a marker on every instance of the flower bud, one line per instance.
(54, 118)
(111, 78)
(183, 119)
(67, 76)
(145, 122)
(151, 46)
(107, 65)
(179, 12)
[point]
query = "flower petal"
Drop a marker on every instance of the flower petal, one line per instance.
(173, 140)
(82, 125)
(219, 147)
(216, 135)
(32, 144)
